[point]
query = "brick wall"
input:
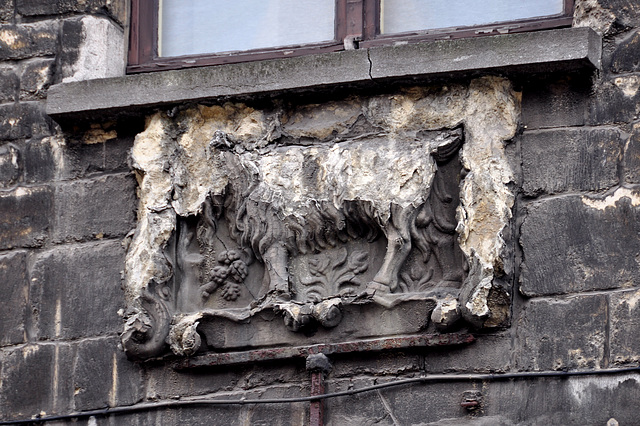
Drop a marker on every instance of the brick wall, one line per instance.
(66, 207)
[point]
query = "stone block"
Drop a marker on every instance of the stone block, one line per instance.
(615, 101)
(103, 376)
(11, 165)
(6, 11)
(92, 47)
(14, 289)
(114, 8)
(489, 353)
(575, 243)
(111, 155)
(592, 400)
(23, 121)
(36, 77)
(626, 57)
(28, 40)
(402, 405)
(625, 327)
(562, 334)
(556, 102)
(75, 290)
(557, 161)
(631, 159)
(35, 381)
(627, 12)
(39, 160)
(9, 85)
(25, 215)
(98, 208)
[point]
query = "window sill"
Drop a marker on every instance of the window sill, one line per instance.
(541, 51)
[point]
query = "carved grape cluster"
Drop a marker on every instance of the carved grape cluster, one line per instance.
(229, 275)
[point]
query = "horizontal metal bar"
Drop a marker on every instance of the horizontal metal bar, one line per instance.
(369, 345)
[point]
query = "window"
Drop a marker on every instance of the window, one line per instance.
(168, 34)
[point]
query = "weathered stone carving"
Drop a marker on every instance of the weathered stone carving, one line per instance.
(320, 214)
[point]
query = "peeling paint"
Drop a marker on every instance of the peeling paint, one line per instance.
(610, 201)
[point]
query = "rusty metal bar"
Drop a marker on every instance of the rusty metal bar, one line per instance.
(369, 345)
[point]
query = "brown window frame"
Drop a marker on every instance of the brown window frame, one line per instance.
(357, 22)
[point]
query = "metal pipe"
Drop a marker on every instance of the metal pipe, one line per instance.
(313, 398)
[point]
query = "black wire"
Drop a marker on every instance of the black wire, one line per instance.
(242, 401)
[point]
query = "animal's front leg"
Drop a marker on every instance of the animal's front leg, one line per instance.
(276, 275)
(398, 236)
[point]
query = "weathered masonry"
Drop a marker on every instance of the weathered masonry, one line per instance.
(434, 232)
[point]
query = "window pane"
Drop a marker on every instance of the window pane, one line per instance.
(411, 15)
(189, 27)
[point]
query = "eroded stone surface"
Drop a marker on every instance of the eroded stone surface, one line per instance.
(278, 177)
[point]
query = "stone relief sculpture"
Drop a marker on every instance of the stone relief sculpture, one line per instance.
(292, 223)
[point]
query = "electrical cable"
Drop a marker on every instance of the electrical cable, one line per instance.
(243, 401)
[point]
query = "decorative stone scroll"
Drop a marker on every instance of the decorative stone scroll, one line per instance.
(304, 224)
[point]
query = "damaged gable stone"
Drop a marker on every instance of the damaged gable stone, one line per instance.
(307, 211)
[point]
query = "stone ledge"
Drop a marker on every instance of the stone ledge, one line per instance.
(535, 51)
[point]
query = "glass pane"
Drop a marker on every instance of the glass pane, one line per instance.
(410, 15)
(189, 27)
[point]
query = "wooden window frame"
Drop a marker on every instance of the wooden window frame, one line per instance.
(357, 24)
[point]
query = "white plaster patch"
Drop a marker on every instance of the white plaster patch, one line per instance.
(628, 84)
(611, 200)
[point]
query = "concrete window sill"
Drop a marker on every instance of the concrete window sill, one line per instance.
(551, 50)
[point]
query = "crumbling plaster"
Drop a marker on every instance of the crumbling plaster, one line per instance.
(176, 172)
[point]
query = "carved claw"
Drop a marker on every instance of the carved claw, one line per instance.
(145, 331)
(298, 317)
(184, 338)
(328, 312)
(446, 313)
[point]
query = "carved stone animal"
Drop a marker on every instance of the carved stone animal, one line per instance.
(299, 199)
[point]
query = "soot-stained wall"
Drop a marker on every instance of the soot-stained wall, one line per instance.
(69, 202)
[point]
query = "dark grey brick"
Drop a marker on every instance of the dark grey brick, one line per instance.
(6, 10)
(631, 159)
(115, 8)
(14, 289)
(39, 160)
(404, 405)
(36, 77)
(615, 101)
(9, 85)
(556, 161)
(28, 40)
(625, 327)
(25, 215)
(103, 207)
(35, 379)
(24, 120)
(627, 12)
(566, 334)
(82, 159)
(75, 290)
(489, 353)
(11, 165)
(557, 102)
(626, 57)
(571, 246)
(592, 400)
(104, 377)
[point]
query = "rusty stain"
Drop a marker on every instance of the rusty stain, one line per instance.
(316, 409)
(371, 345)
